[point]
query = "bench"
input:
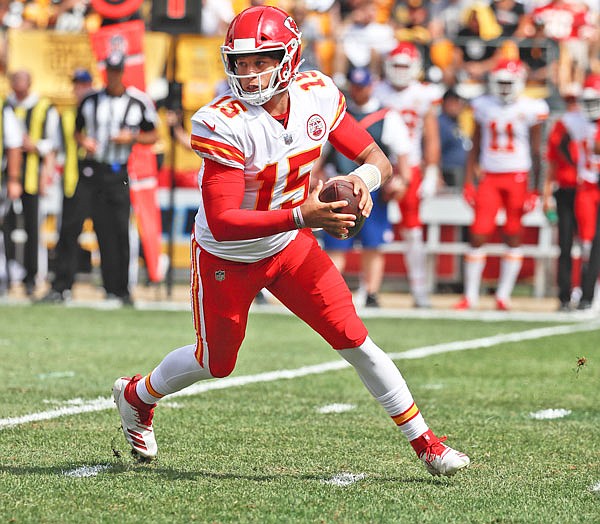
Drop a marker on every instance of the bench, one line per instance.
(450, 209)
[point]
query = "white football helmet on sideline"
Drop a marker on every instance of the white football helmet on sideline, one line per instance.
(403, 65)
(590, 97)
(507, 80)
(257, 30)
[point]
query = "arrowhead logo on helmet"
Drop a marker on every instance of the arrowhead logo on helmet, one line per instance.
(290, 23)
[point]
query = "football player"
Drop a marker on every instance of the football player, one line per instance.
(587, 196)
(388, 129)
(418, 103)
(563, 152)
(506, 149)
(259, 142)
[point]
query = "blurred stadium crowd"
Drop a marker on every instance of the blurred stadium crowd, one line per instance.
(460, 42)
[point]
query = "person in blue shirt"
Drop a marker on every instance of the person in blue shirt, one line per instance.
(388, 129)
(455, 144)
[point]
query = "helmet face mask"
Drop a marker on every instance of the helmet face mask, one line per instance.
(403, 65)
(270, 76)
(590, 97)
(507, 81)
(257, 31)
(591, 107)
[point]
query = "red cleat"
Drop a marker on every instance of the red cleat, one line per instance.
(463, 304)
(438, 458)
(501, 305)
(136, 419)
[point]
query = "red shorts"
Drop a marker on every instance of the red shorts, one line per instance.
(496, 191)
(301, 276)
(587, 198)
(409, 204)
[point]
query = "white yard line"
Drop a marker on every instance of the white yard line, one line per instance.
(101, 404)
(549, 414)
(86, 471)
(342, 480)
(336, 408)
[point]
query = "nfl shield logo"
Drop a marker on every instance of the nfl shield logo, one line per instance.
(220, 275)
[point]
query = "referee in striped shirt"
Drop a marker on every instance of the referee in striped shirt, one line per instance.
(108, 123)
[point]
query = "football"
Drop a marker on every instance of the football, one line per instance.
(335, 190)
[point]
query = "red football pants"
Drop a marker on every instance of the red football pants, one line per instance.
(301, 276)
(410, 201)
(495, 191)
(587, 198)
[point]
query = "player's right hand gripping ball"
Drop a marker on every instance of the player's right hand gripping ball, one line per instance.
(339, 189)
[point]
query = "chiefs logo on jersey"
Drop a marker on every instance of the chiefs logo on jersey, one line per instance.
(315, 127)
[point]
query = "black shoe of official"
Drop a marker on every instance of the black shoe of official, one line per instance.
(29, 289)
(565, 307)
(372, 300)
(584, 305)
(127, 301)
(54, 297)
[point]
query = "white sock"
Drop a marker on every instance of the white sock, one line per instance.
(586, 249)
(474, 265)
(509, 271)
(178, 370)
(416, 263)
(384, 381)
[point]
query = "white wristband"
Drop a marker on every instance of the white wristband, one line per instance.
(429, 184)
(432, 171)
(369, 174)
(298, 218)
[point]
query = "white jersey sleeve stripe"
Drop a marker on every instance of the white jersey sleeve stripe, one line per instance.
(218, 151)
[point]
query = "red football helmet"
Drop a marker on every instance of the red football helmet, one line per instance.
(403, 64)
(590, 97)
(507, 80)
(258, 30)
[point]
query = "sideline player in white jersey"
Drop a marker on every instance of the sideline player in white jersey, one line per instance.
(418, 103)
(253, 230)
(506, 148)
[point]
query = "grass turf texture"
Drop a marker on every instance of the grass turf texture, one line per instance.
(261, 452)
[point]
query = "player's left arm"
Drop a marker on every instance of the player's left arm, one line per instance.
(535, 139)
(432, 152)
(354, 142)
(597, 139)
(395, 137)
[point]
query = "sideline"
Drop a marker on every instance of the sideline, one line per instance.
(100, 404)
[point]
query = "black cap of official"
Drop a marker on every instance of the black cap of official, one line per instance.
(115, 61)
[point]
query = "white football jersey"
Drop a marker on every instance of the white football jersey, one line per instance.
(413, 103)
(505, 146)
(277, 161)
(588, 167)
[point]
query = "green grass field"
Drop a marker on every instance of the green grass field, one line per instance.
(259, 449)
